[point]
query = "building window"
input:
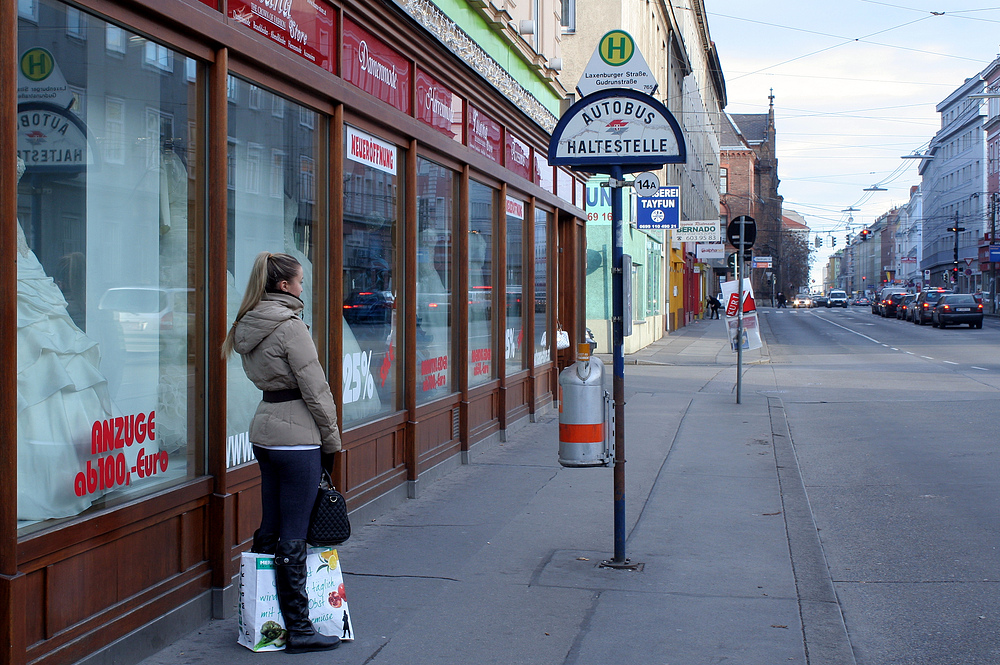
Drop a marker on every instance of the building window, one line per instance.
(723, 180)
(115, 39)
(76, 23)
(260, 222)
(114, 130)
(107, 326)
(372, 315)
(255, 97)
(437, 198)
(482, 211)
(28, 9)
(567, 15)
(159, 57)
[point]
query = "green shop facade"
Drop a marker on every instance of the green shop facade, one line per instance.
(152, 149)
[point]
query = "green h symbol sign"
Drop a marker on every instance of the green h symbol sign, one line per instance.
(36, 64)
(617, 47)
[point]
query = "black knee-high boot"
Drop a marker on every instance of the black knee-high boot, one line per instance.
(290, 578)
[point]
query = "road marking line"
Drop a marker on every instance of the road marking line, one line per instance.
(926, 357)
(980, 368)
(909, 352)
(949, 362)
(870, 339)
(894, 348)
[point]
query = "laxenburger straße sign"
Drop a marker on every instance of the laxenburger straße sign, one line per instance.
(617, 127)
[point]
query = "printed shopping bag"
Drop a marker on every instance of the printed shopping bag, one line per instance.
(262, 627)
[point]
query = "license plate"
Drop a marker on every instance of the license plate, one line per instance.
(963, 309)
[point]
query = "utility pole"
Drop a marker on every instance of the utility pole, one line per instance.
(993, 239)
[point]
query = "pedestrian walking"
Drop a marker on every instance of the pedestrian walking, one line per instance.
(294, 430)
(781, 300)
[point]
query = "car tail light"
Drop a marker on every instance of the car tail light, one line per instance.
(980, 306)
(946, 307)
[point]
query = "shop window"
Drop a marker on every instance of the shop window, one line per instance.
(514, 332)
(106, 326)
(258, 222)
(371, 318)
(482, 206)
(436, 215)
(543, 338)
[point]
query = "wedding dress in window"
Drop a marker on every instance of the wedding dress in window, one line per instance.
(60, 394)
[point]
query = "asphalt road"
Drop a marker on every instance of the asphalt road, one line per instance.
(895, 430)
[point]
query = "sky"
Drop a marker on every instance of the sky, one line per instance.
(855, 84)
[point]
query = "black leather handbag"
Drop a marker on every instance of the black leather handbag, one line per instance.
(328, 524)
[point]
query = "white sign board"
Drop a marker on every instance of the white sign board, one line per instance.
(698, 231)
(617, 63)
(708, 251)
(750, 337)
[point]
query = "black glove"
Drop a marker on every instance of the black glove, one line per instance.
(326, 461)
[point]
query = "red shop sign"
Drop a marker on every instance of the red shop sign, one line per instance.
(438, 106)
(304, 27)
(517, 156)
(214, 4)
(484, 135)
(374, 67)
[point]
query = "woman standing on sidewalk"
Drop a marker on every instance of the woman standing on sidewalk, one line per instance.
(294, 430)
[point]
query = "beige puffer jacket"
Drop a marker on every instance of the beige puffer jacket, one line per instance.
(278, 354)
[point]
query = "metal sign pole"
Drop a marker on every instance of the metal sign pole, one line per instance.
(740, 268)
(618, 338)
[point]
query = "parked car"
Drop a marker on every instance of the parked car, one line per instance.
(903, 308)
(957, 308)
(802, 300)
(923, 303)
(890, 302)
(836, 298)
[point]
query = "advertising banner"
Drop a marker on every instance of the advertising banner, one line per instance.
(375, 67)
(438, 106)
(304, 27)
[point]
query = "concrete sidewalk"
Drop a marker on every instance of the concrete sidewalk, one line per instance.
(498, 561)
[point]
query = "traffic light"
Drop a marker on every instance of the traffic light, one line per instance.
(833, 241)
(819, 241)
(731, 261)
(865, 233)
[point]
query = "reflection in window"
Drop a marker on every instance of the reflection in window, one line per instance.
(105, 283)
(259, 222)
(542, 337)
(481, 301)
(370, 323)
(436, 217)
(514, 333)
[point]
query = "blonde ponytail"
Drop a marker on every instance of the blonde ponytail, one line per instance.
(267, 271)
